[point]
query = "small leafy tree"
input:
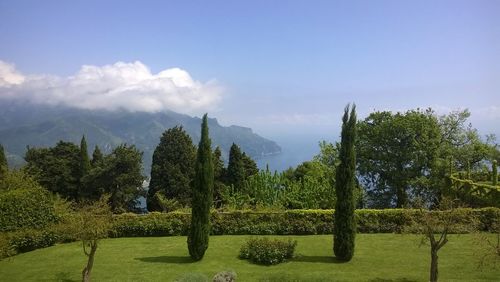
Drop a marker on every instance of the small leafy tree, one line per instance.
(345, 224)
(202, 196)
(435, 226)
(89, 224)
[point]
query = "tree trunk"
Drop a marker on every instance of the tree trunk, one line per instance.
(434, 265)
(90, 262)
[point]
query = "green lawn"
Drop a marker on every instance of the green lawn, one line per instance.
(378, 257)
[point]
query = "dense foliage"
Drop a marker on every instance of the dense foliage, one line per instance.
(267, 251)
(202, 196)
(172, 170)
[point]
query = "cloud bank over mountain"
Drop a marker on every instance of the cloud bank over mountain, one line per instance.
(128, 86)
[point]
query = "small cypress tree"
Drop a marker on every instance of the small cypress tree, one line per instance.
(4, 167)
(236, 168)
(97, 157)
(84, 158)
(202, 196)
(344, 224)
(494, 173)
(84, 169)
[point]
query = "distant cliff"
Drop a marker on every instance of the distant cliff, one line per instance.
(42, 126)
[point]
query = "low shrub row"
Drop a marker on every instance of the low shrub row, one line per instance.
(293, 222)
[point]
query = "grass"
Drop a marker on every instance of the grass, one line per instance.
(378, 257)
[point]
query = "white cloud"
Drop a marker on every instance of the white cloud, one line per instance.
(9, 76)
(129, 86)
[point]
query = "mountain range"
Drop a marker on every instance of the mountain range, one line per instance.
(25, 124)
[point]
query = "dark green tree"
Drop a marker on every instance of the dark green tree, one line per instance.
(97, 157)
(202, 196)
(3, 163)
(120, 176)
(344, 224)
(56, 169)
(236, 168)
(172, 169)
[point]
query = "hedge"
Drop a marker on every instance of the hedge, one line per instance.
(291, 222)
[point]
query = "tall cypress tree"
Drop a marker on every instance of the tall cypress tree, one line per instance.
(3, 162)
(202, 196)
(344, 224)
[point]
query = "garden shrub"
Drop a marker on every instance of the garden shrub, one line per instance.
(26, 208)
(267, 251)
(225, 276)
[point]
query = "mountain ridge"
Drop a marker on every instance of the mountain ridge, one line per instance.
(31, 125)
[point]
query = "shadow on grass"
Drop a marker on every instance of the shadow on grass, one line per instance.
(391, 280)
(167, 259)
(317, 259)
(64, 277)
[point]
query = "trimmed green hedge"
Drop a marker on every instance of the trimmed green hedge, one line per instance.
(291, 222)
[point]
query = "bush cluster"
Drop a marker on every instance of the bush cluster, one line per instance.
(26, 208)
(267, 251)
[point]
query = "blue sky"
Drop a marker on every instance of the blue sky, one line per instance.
(277, 66)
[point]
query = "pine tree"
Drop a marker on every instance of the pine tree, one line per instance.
(344, 223)
(3, 163)
(202, 196)
(172, 169)
(97, 157)
(236, 168)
